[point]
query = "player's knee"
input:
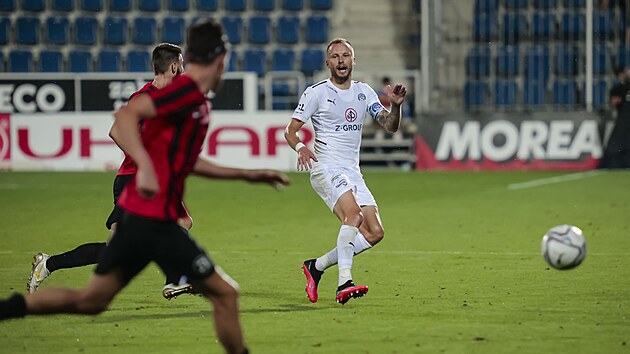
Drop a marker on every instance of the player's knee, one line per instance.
(354, 218)
(377, 236)
(91, 305)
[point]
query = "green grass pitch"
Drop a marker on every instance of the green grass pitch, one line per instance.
(459, 270)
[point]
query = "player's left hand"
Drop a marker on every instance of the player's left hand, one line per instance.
(274, 178)
(397, 94)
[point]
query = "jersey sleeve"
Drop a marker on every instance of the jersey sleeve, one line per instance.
(617, 91)
(307, 105)
(178, 97)
(374, 104)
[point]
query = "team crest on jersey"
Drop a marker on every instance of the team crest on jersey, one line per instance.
(351, 114)
(361, 97)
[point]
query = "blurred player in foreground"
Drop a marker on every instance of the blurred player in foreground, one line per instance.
(167, 62)
(337, 108)
(175, 124)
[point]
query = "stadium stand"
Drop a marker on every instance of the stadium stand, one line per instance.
(57, 30)
(149, 5)
(62, 5)
(293, 5)
(27, 30)
(144, 30)
(564, 92)
(233, 26)
(236, 5)
(173, 29)
(288, 31)
(91, 5)
(85, 30)
(283, 60)
(259, 30)
(5, 29)
(50, 61)
(178, 5)
(264, 5)
(138, 61)
(120, 5)
(115, 30)
(33, 5)
(505, 91)
(255, 60)
(475, 94)
(7, 5)
(207, 5)
(316, 29)
(478, 62)
(321, 5)
(80, 61)
(20, 61)
(508, 61)
(109, 60)
(312, 60)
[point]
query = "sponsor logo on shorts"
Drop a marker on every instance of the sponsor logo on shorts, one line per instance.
(339, 180)
(202, 264)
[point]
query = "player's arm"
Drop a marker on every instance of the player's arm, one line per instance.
(390, 120)
(305, 155)
(209, 169)
(126, 135)
(616, 95)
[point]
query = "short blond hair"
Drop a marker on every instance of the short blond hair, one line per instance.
(340, 40)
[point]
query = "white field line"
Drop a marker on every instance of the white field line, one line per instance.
(552, 180)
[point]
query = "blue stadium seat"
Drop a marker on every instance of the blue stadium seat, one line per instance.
(7, 5)
(534, 93)
(62, 5)
(567, 59)
(485, 27)
(288, 30)
(138, 61)
(321, 5)
(235, 5)
(508, 61)
(264, 5)
(80, 61)
(85, 30)
(293, 5)
(20, 61)
(516, 4)
(537, 63)
(5, 30)
(574, 3)
(233, 65)
(57, 30)
(2, 68)
(207, 5)
(33, 5)
(600, 93)
(601, 59)
(623, 56)
(283, 60)
(544, 4)
(173, 30)
(475, 94)
(259, 29)
(255, 60)
(564, 92)
(543, 26)
(144, 30)
(109, 61)
(120, 5)
(478, 62)
(604, 25)
(572, 26)
(312, 60)
(115, 30)
(514, 27)
(50, 61)
(27, 30)
(92, 5)
(486, 6)
(505, 91)
(149, 5)
(316, 30)
(177, 5)
(233, 26)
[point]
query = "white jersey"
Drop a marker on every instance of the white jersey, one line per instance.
(337, 116)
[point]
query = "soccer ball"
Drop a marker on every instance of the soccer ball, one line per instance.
(564, 247)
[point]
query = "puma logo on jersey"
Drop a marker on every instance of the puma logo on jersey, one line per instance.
(331, 101)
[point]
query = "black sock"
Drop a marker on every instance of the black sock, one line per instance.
(88, 253)
(13, 307)
(172, 278)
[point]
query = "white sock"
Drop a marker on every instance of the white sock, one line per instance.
(330, 259)
(183, 280)
(345, 252)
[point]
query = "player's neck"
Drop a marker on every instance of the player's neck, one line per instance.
(160, 81)
(341, 85)
(199, 74)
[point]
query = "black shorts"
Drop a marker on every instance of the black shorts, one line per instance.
(119, 184)
(140, 240)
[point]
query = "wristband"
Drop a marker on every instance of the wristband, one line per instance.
(298, 146)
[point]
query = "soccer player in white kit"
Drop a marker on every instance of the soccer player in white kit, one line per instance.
(337, 108)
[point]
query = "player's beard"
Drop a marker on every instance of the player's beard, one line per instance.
(338, 78)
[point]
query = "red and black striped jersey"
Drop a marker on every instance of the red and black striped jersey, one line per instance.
(173, 140)
(128, 166)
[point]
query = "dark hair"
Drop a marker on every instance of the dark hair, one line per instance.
(205, 41)
(164, 55)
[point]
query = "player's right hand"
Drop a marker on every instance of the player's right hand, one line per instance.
(147, 182)
(304, 159)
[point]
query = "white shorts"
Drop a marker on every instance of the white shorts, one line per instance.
(330, 183)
